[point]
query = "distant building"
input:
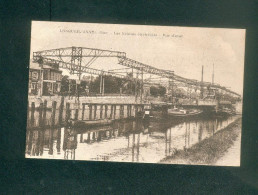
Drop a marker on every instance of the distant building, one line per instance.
(49, 75)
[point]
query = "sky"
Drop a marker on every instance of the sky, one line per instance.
(183, 50)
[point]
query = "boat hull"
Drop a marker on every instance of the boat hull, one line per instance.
(178, 114)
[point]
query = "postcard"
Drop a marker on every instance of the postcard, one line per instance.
(135, 93)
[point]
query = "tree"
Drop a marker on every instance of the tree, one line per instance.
(157, 91)
(111, 84)
(72, 87)
(64, 85)
(162, 90)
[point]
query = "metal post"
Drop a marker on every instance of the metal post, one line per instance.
(100, 85)
(103, 87)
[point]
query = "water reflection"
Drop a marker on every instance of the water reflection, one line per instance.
(128, 140)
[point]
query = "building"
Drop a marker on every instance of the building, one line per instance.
(34, 73)
(44, 79)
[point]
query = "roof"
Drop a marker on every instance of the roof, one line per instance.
(34, 65)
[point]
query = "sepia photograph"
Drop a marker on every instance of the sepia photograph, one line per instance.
(135, 93)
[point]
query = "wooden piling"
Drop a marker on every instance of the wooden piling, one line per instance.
(51, 144)
(95, 111)
(114, 111)
(58, 141)
(61, 108)
(40, 114)
(111, 111)
(28, 114)
(68, 113)
(83, 110)
(136, 110)
(44, 113)
(53, 115)
(32, 113)
(76, 114)
(128, 110)
(88, 139)
(106, 109)
(101, 111)
(90, 111)
(81, 138)
(121, 111)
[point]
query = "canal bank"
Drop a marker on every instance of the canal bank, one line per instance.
(215, 150)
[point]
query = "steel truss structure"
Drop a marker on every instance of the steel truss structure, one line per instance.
(78, 60)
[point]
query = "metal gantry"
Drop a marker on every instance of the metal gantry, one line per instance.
(78, 60)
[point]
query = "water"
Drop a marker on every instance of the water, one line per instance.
(124, 141)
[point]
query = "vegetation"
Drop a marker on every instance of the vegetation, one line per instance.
(157, 91)
(111, 84)
(209, 150)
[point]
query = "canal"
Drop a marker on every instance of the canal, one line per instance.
(128, 140)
